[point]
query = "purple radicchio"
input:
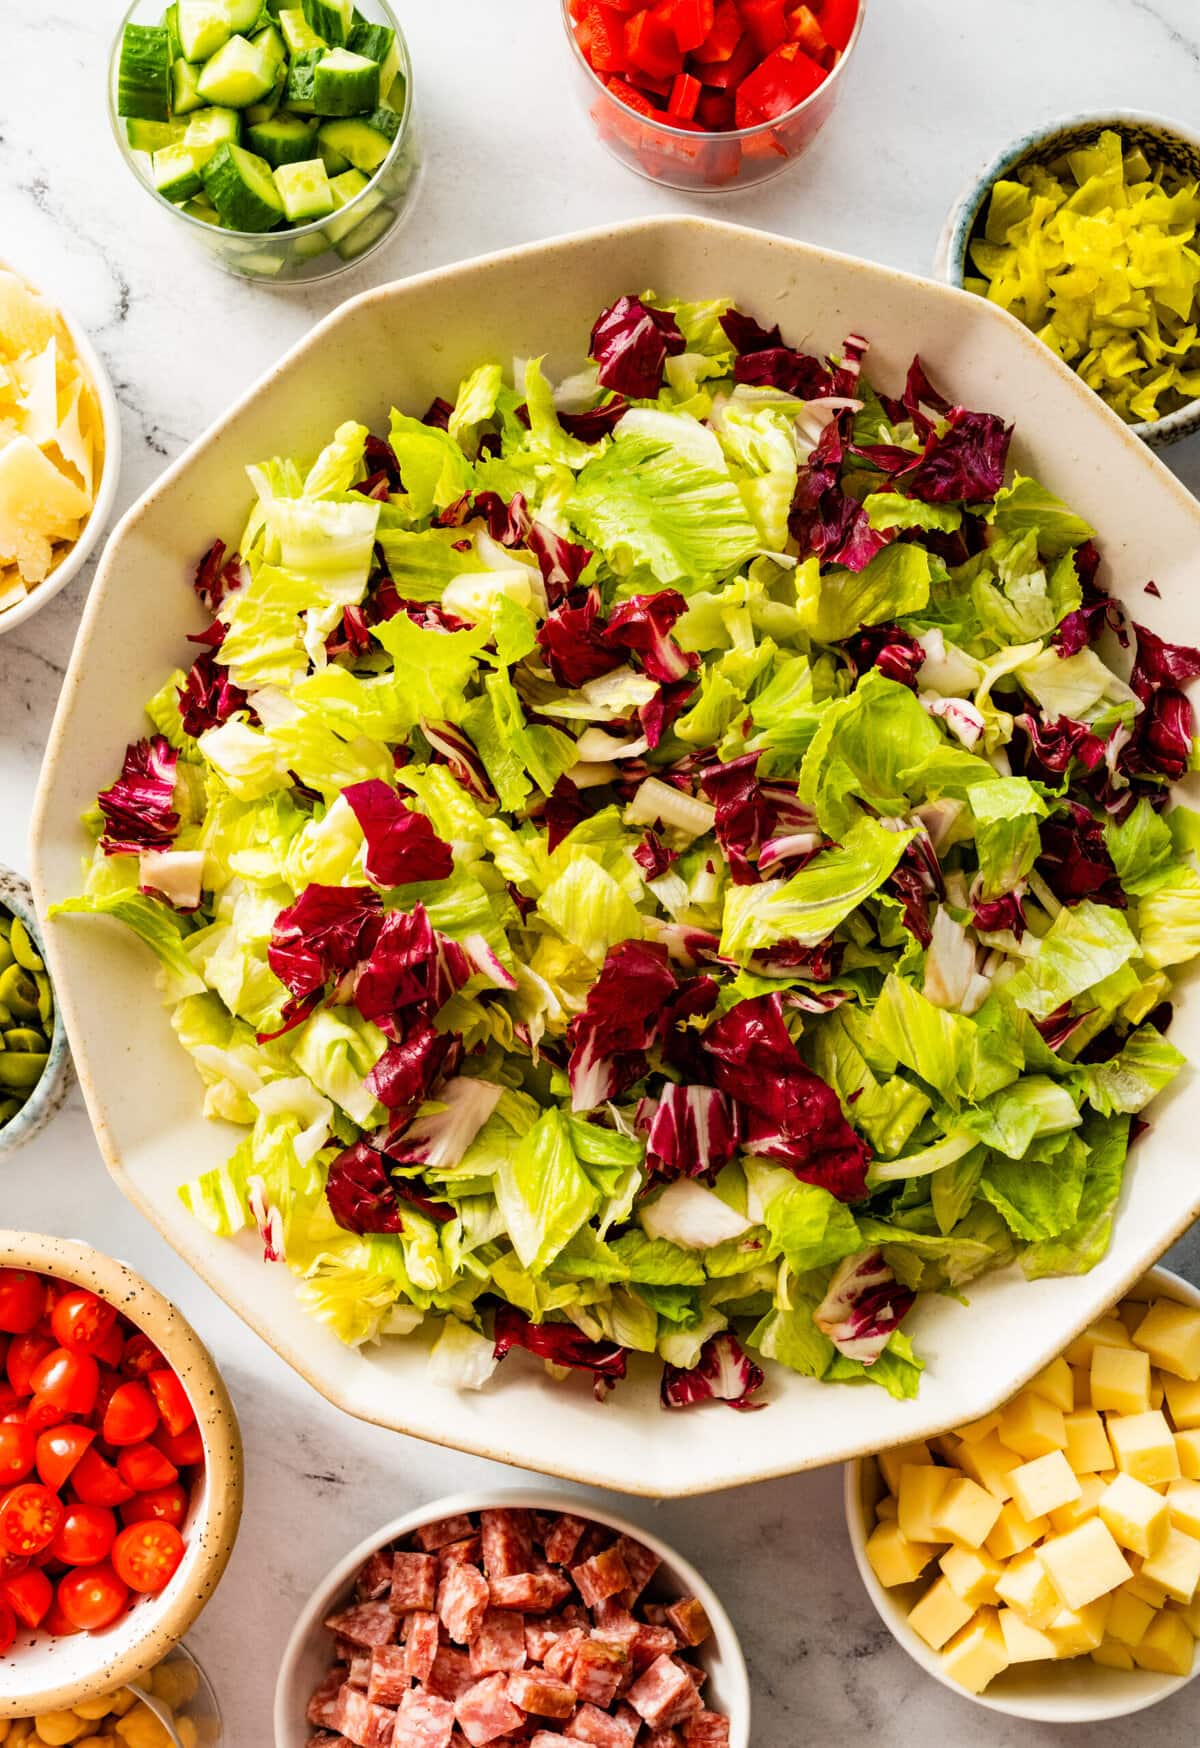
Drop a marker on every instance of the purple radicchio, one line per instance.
(724, 1373)
(631, 343)
(863, 1307)
(402, 845)
(624, 1010)
(138, 809)
(694, 1130)
(560, 1343)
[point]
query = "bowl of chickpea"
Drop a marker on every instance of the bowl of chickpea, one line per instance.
(173, 1706)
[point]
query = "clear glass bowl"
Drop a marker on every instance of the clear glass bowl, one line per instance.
(706, 163)
(180, 1684)
(305, 252)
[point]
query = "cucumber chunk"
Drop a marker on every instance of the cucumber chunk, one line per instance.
(237, 75)
(271, 42)
(285, 139)
(203, 209)
(330, 19)
(304, 190)
(242, 188)
(344, 84)
(385, 120)
(259, 112)
(378, 43)
(210, 128)
(366, 233)
(204, 27)
(175, 174)
(358, 142)
(170, 23)
(344, 189)
(300, 38)
(144, 73)
(152, 136)
(300, 80)
(184, 93)
(333, 160)
(243, 15)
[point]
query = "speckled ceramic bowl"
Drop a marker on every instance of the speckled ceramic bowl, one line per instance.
(1160, 138)
(49, 1094)
(41, 1674)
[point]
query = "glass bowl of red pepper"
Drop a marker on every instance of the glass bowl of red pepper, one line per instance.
(710, 95)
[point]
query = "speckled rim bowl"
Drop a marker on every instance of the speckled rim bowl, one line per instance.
(41, 1674)
(1075, 1691)
(106, 488)
(307, 1654)
(49, 1095)
(1163, 137)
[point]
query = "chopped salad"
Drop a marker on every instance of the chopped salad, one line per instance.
(659, 862)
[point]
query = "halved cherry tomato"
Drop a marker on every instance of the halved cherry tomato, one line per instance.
(111, 1350)
(25, 1355)
(17, 1449)
(56, 1622)
(172, 1400)
(29, 1595)
(81, 1322)
(69, 1381)
(29, 1518)
(96, 1482)
(164, 1505)
(22, 1300)
(140, 1356)
(184, 1449)
(144, 1468)
(8, 1399)
(58, 1451)
(131, 1415)
(92, 1598)
(147, 1555)
(41, 1415)
(8, 1628)
(84, 1536)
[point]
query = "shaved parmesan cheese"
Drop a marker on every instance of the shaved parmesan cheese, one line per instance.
(38, 505)
(75, 445)
(26, 320)
(38, 381)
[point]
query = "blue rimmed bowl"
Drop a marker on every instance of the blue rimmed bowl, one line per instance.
(49, 1095)
(1160, 138)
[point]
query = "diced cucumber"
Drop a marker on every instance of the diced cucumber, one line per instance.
(203, 209)
(152, 136)
(300, 38)
(378, 43)
(333, 160)
(243, 15)
(270, 40)
(237, 75)
(285, 139)
(345, 84)
(385, 120)
(210, 128)
(344, 189)
(366, 233)
(170, 23)
(144, 73)
(242, 188)
(259, 266)
(304, 190)
(184, 93)
(358, 142)
(175, 174)
(301, 75)
(260, 112)
(204, 27)
(330, 18)
(309, 244)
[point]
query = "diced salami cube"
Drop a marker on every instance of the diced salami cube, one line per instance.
(657, 1692)
(598, 1671)
(485, 1711)
(706, 1730)
(360, 1670)
(388, 1678)
(563, 1539)
(507, 1543)
(367, 1725)
(685, 1707)
(614, 1621)
(344, 1651)
(651, 1643)
(424, 1721)
(323, 1740)
(689, 1620)
(500, 1642)
(642, 1564)
(602, 1729)
(659, 1739)
(367, 1624)
(626, 1715)
(465, 1553)
(323, 1704)
(375, 1579)
(535, 1592)
(432, 1536)
(594, 1538)
(451, 1673)
(462, 1601)
(549, 1739)
(414, 1582)
(656, 1613)
(604, 1575)
(560, 1658)
(421, 1645)
(535, 1691)
(541, 1637)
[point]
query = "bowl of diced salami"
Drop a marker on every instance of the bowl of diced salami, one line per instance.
(488, 1621)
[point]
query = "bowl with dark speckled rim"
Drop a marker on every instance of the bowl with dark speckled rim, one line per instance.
(41, 1674)
(49, 1095)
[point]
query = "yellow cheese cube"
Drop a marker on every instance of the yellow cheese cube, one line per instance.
(1056, 1384)
(1025, 1586)
(971, 1574)
(1135, 1513)
(885, 1508)
(1142, 1588)
(974, 1430)
(1031, 1426)
(1081, 1377)
(976, 1654)
(1014, 1533)
(890, 1462)
(1170, 1334)
(1144, 1446)
(1131, 1312)
(1077, 1630)
(894, 1559)
(1183, 1401)
(939, 1614)
(990, 1463)
(1187, 1451)
(1043, 1485)
(1128, 1617)
(1168, 1647)
(1088, 1448)
(1157, 1394)
(917, 1497)
(1107, 1332)
(1023, 1642)
(1190, 1612)
(945, 1446)
(1175, 1565)
(1085, 1563)
(966, 1512)
(1120, 1380)
(1069, 1516)
(1183, 1505)
(1113, 1655)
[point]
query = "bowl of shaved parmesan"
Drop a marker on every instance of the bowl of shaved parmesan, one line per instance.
(60, 448)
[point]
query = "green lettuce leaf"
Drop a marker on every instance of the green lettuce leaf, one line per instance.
(1082, 946)
(813, 902)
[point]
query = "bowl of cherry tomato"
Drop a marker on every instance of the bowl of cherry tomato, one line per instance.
(120, 1474)
(710, 95)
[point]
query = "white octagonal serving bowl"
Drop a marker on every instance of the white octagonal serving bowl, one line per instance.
(403, 344)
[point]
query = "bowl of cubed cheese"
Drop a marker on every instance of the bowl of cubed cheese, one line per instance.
(1045, 1559)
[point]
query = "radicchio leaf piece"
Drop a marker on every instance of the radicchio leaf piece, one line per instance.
(560, 1343)
(138, 809)
(402, 845)
(624, 1008)
(724, 1373)
(360, 1193)
(863, 1307)
(631, 343)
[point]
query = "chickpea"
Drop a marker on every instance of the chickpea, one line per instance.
(58, 1728)
(174, 1683)
(187, 1732)
(20, 1733)
(120, 1702)
(141, 1729)
(94, 1709)
(98, 1742)
(4, 1724)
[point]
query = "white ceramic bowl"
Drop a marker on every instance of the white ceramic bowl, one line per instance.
(41, 1674)
(308, 1652)
(106, 488)
(1076, 1691)
(408, 342)
(48, 1096)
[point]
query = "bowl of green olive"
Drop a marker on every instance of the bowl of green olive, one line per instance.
(35, 1061)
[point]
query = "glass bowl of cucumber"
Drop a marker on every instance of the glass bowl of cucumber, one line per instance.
(35, 1059)
(283, 135)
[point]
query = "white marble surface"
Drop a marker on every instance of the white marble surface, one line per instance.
(938, 86)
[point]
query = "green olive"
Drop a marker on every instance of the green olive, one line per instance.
(19, 992)
(9, 1108)
(20, 1070)
(25, 1038)
(45, 998)
(24, 951)
(7, 956)
(6, 1018)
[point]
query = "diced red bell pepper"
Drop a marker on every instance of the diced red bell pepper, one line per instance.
(838, 18)
(727, 75)
(607, 27)
(725, 34)
(628, 6)
(632, 98)
(577, 8)
(765, 21)
(650, 45)
(805, 28)
(691, 21)
(685, 95)
(785, 78)
(643, 81)
(715, 111)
